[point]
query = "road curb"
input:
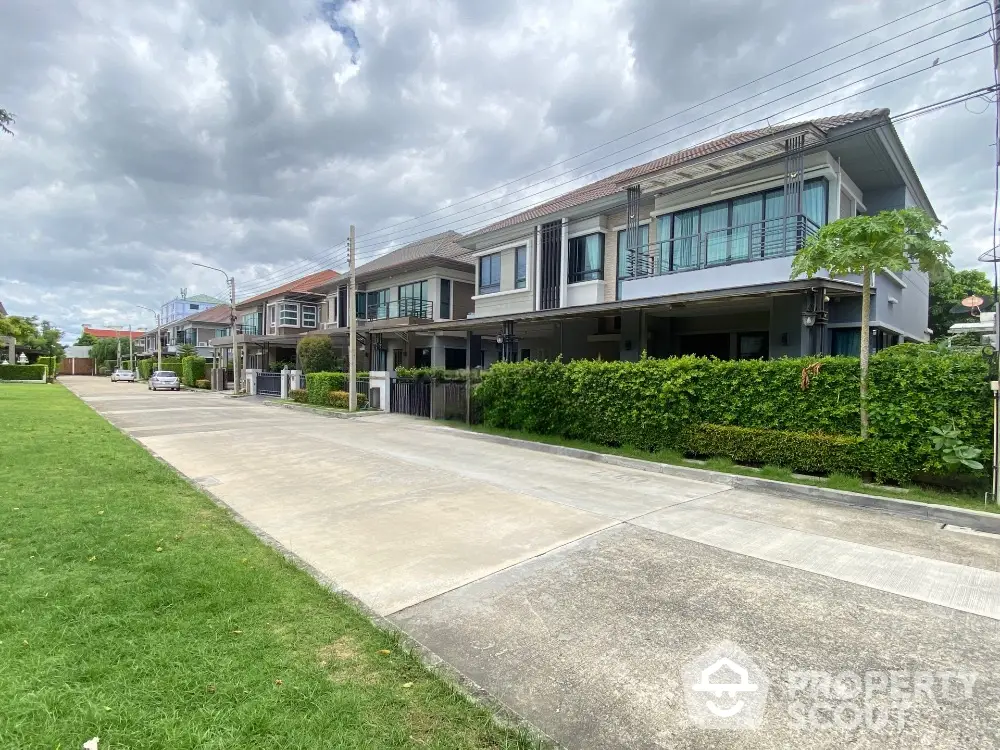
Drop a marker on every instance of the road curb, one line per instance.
(942, 514)
(330, 414)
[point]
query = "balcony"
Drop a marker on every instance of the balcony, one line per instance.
(409, 308)
(248, 329)
(750, 254)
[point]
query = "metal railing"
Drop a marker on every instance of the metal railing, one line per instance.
(758, 240)
(404, 308)
(246, 329)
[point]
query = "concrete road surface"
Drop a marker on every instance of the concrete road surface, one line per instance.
(607, 605)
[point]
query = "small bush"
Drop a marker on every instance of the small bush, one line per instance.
(206, 384)
(437, 374)
(319, 385)
(22, 372)
(192, 369)
(342, 400)
(146, 367)
(299, 395)
(52, 363)
(103, 370)
(316, 354)
(808, 452)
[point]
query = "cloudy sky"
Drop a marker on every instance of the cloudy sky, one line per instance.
(248, 134)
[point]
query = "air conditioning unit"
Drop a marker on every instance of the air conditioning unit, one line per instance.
(202, 344)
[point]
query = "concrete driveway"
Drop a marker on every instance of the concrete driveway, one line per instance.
(593, 599)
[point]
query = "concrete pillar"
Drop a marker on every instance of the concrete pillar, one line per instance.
(564, 264)
(284, 382)
(437, 352)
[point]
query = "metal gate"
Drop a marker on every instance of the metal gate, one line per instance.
(268, 383)
(411, 397)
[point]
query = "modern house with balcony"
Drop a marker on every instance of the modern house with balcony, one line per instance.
(197, 329)
(417, 284)
(691, 254)
(269, 325)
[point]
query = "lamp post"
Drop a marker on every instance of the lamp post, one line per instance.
(231, 282)
(159, 351)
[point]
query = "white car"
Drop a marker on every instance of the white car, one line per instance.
(121, 375)
(164, 380)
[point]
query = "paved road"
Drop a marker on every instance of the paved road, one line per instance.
(591, 599)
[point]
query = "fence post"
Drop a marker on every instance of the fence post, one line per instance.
(284, 382)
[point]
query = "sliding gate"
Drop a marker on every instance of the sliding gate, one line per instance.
(411, 397)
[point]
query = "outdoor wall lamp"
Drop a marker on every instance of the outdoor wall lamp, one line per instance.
(499, 339)
(809, 318)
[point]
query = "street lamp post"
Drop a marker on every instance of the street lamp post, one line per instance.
(231, 282)
(159, 351)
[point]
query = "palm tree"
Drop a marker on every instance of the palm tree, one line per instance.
(186, 350)
(868, 246)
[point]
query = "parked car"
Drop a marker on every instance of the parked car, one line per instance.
(121, 375)
(164, 380)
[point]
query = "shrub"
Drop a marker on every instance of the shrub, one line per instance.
(176, 366)
(50, 362)
(813, 453)
(316, 354)
(146, 367)
(299, 395)
(21, 372)
(342, 399)
(192, 369)
(103, 370)
(206, 384)
(437, 374)
(648, 404)
(319, 385)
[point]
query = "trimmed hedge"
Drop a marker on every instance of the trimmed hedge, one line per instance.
(22, 372)
(205, 384)
(52, 363)
(299, 395)
(319, 385)
(176, 366)
(342, 399)
(146, 367)
(192, 369)
(650, 403)
(807, 452)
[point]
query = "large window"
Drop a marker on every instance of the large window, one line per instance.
(520, 267)
(288, 314)
(586, 258)
(251, 324)
(444, 306)
(413, 300)
(489, 274)
(745, 228)
(624, 266)
(308, 316)
(845, 342)
(376, 305)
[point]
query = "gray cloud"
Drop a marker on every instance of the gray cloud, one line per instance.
(249, 135)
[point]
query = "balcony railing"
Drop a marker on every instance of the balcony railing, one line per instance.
(758, 240)
(248, 329)
(404, 308)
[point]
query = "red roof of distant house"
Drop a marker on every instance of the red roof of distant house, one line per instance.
(110, 333)
(304, 284)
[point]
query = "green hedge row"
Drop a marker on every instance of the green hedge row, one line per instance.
(808, 452)
(319, 385)
(650, 403)
(52, 363)
(192, 369)
(22, 372)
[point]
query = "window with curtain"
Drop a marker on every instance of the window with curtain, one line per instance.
(520, 267)
(715, 233)
(586, 258)
(623, 264)
(686, 239)
(489, 274)
(845, 342)
(747, 212)
(444, 306)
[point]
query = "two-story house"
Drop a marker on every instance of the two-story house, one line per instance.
(184, 306)
(691, 254)
(196, 329)
(269, 325)
(417, 284)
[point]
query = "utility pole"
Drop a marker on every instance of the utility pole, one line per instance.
(159, 346)
(352, 329)
(236, 351)
(131, 358)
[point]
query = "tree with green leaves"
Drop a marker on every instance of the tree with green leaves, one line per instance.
(30, 334)
(186, 350)
(106, 350)
(6, 120)
(948, 291)
(86, 339)
(316, 354)
(868, 246)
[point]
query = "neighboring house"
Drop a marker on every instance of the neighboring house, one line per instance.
(184, 306)
(197, 329)
(691, 254)
(416, 284)
(269, 325)
(984, 326)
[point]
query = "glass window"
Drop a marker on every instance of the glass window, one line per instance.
(586, 257)
(413, 300)
(845, 342)
(752, 345)
(686, 236)
(289, 314)
(376, 305)
(623, 264)
(444, 306)
(489, 274)
(454, 358)
(520, 267)
(308, 316)
(192, 307)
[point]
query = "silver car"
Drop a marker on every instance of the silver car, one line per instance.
(164, 380)
(122, 375)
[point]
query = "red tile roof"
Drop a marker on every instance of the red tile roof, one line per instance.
(613, 183)
(111, 333)
(304, 284)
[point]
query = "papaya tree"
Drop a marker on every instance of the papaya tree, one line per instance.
(867, 246)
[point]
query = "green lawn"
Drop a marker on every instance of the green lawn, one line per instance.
(133, 609)
(835, 481)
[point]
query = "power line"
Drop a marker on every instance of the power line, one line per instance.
(761, 120)
(693, 107)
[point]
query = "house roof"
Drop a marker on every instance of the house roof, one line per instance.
(204, 298)
(304, 284)
(619, 181)
(216, 314)
(444, 245)
(111, 333)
